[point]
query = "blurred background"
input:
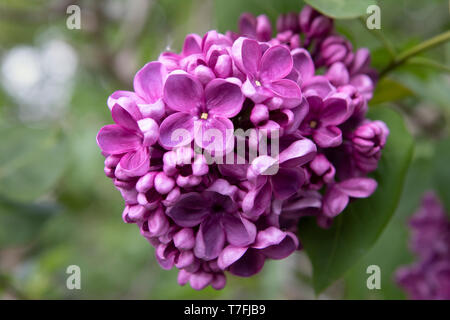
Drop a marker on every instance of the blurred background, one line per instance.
(58, 209)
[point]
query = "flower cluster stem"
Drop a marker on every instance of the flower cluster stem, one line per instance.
(406, 55)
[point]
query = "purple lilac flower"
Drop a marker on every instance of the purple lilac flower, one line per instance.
(172, 132)
(429, 277)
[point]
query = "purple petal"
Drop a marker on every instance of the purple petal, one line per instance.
(214, 134)
(247, 25)
(134, 163)
(184, 239)
(192, 44)
(303, 63)
(298, 153)
(289, 91)
(200, 280)
(287, 182)
(230, 255)
(257, 200)
(113, 139)
(283, 249)
(127, 100)
(149, 81)
(176, 130)
(338, 74)
(276, 63)
(335, 110)
(239, 231)
(150, 130)
(124, 119)
(263, 28)
(318, 85)
(334, 202)
(189, 210)
(247, 55)
(249, 264)
(328, 137)
(210, 239)
(358, 187)
(223, 98)
(183, 92)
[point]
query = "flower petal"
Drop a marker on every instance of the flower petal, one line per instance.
(210, 239)
(358, 187)
(328, 137)
(124, 119)
(288, 90)
(133, 164)
(230, 255)
(182, 92)
(298, 153)
(276, 63)
(249, 264)
(335, 110)
(239, 231)
(287, 182)
(223, 98)
(148, 82)
(189, 210)
(334, 202)
(113, 139)
(318, 85)
(246, 55)
(283, 249)
(303, 63)
(192, 44)
(176, 130)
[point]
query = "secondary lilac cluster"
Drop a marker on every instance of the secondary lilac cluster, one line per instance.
(306, 89)
(429, 277)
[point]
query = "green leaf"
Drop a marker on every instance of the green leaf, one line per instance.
(391, 251)
(388, 90)
(31, 161)
(354, 232)
(441, 171)
(341, 9)
(22, 222)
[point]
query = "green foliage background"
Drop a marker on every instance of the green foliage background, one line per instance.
(57, 208)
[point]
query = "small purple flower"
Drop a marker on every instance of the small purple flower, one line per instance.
(258, 28)
(210, 108)
(368, 140)
(270, 243)
(265, 73)
(324, 117)
(429, 277)
(313, 24)
(338, 195)
(131, 138)
(216, 211)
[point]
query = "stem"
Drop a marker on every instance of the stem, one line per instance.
(382, 38)
(404, 56)
(429, 63)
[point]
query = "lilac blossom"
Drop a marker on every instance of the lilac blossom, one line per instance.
(308, 151)
(429, 277)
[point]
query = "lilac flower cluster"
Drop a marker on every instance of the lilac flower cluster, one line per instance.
(429, 277)
(208, 217)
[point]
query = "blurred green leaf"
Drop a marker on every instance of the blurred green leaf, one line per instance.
(31, 161)
(441, 171)
(341, 9)
(391, 250)
(388, 90)
(21, 223)
(354, 232)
